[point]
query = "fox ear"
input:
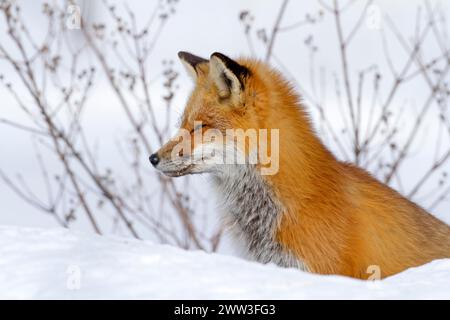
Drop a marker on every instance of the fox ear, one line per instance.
(191, 63)
(227, 75)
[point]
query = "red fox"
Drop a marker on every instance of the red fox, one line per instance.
(315, 213)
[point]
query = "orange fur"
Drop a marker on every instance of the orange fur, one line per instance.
(337, 218)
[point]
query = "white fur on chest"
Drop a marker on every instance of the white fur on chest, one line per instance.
(251, 214)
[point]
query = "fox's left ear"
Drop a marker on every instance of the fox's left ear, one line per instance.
(227, 74)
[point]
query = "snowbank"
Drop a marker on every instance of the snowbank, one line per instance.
(61, 264)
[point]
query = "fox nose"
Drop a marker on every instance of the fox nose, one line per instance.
(154, 159)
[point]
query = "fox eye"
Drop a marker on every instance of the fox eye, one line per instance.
(198, 127)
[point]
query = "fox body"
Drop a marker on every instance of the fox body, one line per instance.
(315, 213)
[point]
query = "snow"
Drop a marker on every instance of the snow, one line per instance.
(57, 263)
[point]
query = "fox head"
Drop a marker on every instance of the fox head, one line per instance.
(221, 125)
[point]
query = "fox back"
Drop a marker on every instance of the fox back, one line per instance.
(312, 212)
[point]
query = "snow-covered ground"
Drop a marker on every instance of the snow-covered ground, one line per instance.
(58, 263)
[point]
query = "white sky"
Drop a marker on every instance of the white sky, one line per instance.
(203, 27)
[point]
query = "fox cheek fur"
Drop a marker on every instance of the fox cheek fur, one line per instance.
(316, 213)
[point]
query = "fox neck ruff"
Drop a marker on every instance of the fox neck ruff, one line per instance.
(252, 214)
